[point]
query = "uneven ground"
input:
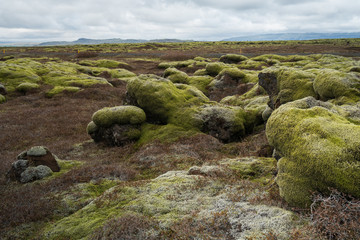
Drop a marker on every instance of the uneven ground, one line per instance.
(29, 211)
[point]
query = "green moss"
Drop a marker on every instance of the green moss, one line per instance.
(176, 76)
(320, 150)
(267, 57)
(176, 64)
(14, 72)
(91, 128)
(200, 82)
(160, 98)
(59, 89)
(163, 133)
(232, 58)
(292, 83)
(2, 98)
(104, 63)
(233, 73)
(200, 72)
(256, 169)
(215, 68)
(251, 64)
(118, 115)
(26, 87)
(331, 84)
(65, 166)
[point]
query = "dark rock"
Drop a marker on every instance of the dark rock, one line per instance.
(116, 135)
(265, 151)
(2, 90)
(16, 169)
(269, 82)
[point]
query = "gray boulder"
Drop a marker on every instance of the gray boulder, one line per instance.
(35, 173)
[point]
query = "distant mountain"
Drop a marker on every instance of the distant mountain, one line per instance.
(86, 41)
(294, 36)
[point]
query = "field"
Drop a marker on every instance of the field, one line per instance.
(209, 113)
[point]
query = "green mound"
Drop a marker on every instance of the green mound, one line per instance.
(319, 149)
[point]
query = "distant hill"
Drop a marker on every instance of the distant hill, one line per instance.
(86, 41)
(294, 36)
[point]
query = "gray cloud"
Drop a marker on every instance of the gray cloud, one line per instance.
(185, 19)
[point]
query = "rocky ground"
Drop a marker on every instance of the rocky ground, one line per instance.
(158, 143)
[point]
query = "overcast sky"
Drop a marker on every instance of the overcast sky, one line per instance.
(48, 20)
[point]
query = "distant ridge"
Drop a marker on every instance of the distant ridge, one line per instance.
(86, 41)
(294, 36)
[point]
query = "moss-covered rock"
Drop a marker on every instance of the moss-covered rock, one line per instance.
(105, 63)
(27, 87)
(176, 64)
(200, 72)
(176, 76)
(286, 84)
(172, 198)
(116, 126)
(160, 98)
(320, 149)
(14, 72)
(201, 82)
(232, 58)
(215, 68)
(330, 84)
(2, 98)
(261, 170)
(119, 115)
(224, 123)
(60, 89)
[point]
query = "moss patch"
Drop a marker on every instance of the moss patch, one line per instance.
(320, 150)
(60, 89)
(119, 115)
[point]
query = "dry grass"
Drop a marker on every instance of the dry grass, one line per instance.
(336, 216)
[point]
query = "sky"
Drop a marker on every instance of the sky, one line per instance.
(52, 20)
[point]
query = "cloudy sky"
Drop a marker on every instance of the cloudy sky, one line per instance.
(49, 20)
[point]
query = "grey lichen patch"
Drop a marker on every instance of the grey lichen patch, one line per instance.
(37, 151)
(170, 198)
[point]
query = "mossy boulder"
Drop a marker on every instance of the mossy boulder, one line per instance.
(201, 82)
(119, 115)
(160, 98)
(286, 84)
(27, 87)
(319, 149)
(2, 98)
(116, 126)
(214, 68)
(104, 63)
(14, 72)
(331, 84)
(227, 124)
(60, 89)
(176, 76)
(232, 58)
